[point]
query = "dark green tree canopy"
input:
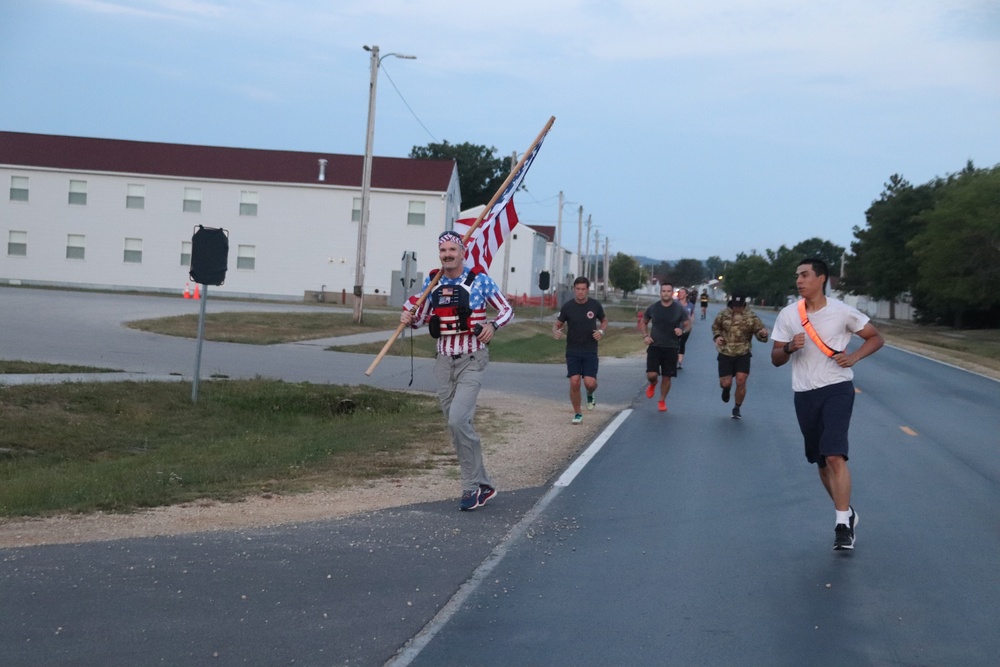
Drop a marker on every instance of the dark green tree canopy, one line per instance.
(624, 273)
(715, 266)
(688, 272)
(957, 250)
(881, 266)
(480, 171)
(747, 276)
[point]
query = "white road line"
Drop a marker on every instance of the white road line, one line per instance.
(574, 469)
(412, 649)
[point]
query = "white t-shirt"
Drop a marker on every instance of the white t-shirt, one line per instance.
(835, 323)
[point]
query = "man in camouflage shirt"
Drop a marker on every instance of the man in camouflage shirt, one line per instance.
(733, 331)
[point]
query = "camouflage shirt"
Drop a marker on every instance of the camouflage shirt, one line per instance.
(738, 330)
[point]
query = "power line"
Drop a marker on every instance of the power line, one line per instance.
(396, 88)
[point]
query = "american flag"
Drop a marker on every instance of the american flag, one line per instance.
(482, 246)
(488, 237)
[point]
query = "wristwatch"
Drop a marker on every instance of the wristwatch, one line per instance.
(785, 348)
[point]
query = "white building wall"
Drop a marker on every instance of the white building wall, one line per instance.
(302, 235)
(527, 260)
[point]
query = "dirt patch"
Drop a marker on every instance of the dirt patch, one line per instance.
(535, 442)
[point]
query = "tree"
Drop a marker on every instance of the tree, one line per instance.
(662, 272)
(715, 266)
(624, 273)
(781, 275)
(480, 171)
(688, 272)
(747, 276)
(881, 266)
(958, 250)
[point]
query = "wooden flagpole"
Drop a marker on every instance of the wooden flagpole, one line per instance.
(465, 241)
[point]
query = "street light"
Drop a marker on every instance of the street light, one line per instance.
(366, 183)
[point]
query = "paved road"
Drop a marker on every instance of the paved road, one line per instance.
(688, 538)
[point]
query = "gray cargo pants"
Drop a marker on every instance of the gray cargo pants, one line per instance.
(459, 379)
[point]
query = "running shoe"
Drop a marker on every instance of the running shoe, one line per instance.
(591, 401)
(736, 413)
(662, 405)
(843, 538)
(853, 522)
(650, 390)
(485, 493)
(725, 394)
(578, 418)
(470, 500)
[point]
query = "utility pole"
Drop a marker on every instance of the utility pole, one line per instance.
(579, 244)
(606, 267)
(559, 253)
(586, 247)
(366, 184)
(597, 254)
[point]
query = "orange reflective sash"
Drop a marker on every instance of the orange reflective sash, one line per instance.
(811, 331)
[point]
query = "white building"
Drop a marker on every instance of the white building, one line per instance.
(112, 214)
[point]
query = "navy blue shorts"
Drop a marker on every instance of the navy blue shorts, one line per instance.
(824, 416)
(581, 362)
(662, 361)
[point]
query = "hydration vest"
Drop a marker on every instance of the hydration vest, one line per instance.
(450, 307)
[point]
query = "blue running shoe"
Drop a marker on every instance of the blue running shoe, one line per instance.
(470, 500)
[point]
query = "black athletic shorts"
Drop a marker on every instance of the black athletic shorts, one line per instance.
(730, 366)
(662, 361)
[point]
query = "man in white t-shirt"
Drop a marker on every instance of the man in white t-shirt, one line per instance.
(814, 334)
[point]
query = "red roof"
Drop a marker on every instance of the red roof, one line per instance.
(201, 162)
(548, 231)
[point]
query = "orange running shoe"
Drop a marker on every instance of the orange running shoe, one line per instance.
(650, 390)
(663, 406)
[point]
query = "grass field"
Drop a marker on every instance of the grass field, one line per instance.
(119, 446)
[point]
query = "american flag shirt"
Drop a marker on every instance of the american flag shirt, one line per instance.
(482, 292)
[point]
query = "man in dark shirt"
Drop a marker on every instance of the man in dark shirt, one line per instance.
(669, 321)
(586, 327)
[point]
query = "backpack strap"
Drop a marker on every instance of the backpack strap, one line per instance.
(811, 332)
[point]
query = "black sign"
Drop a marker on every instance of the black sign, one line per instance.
(209, 255)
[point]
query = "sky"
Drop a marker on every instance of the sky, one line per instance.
(683, 129)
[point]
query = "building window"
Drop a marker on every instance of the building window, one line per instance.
(246, 257)
(78, 193)
(17, 244)
(135, 196)
(416, 214)
(19, 188)
(76, 246)
(356, 210)
(248, 203)
(192, 200)
(185, 253)
(133, 251)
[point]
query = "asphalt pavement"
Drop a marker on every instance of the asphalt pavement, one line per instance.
(687, 538)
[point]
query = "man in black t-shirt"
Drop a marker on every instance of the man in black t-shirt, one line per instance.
(586, 327)
(663, 324)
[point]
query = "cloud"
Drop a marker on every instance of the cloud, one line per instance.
(153, 9)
